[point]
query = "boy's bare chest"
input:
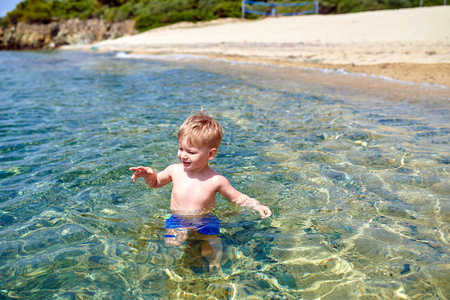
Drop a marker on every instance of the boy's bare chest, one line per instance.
(189, 187)
(192, 193)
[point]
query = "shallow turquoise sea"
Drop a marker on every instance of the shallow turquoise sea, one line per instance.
(358, 182)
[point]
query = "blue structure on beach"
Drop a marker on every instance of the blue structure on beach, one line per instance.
(272, 8)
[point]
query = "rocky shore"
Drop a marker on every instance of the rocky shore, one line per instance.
(65, 32)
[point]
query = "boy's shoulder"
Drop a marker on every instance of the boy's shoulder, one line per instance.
(217, 176)
(175, 168)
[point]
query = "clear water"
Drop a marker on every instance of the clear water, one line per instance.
(358, 183)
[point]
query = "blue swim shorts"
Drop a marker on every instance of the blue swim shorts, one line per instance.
(207, 225)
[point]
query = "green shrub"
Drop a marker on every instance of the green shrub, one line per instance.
(39, 12)
(14, 16)
(124, 12)
(68, 9)
(3, 23)
(397, 4)
(146, 22)
(347, 6)
(111, 3)
(227, 9)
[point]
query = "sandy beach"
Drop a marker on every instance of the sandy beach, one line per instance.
(407, 44)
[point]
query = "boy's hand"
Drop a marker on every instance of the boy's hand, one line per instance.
(263, 210)
(244, 200)
(147, 173)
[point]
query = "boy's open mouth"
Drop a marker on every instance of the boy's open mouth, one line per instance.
(185, 163)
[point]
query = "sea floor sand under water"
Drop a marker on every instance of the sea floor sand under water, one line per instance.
(354, 168)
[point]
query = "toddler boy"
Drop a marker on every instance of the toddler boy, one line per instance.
(195, 186)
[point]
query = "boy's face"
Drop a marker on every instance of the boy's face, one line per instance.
(194, 158)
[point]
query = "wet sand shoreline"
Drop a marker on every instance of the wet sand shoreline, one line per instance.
(411, 45)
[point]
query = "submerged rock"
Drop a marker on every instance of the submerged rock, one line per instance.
(6, 219)
(287, 280)
(45, 237)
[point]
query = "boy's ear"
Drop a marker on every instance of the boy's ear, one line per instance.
(212, 153)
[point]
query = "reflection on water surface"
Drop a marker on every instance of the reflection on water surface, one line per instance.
(358, 183)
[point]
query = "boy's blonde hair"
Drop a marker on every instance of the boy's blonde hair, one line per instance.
(201, 130)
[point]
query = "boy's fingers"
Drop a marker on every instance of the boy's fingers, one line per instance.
(142, 169)
(136, 168)
(266, 213)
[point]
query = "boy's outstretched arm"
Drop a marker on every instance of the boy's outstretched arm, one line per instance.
(244, 200)
(152, 179)
(233, 195)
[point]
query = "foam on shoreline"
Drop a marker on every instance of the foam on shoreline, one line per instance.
(189, 58)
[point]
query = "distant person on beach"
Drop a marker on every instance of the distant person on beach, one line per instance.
(195, 186)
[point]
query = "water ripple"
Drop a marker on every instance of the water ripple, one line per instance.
(358, 184)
